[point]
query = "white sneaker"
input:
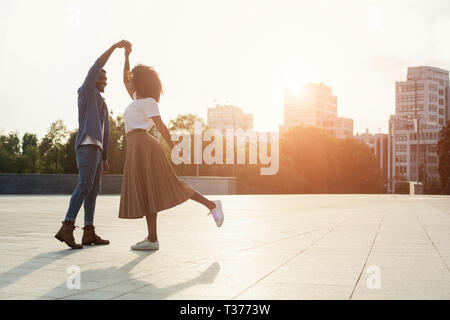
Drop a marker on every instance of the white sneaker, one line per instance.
(146, 245)
(217, 213)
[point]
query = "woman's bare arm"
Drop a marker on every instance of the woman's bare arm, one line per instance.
(159, 124)
(126, 71)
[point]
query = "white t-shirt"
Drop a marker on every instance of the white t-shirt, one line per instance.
(138, 114)
(89, 140)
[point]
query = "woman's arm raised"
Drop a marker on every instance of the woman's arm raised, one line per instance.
(126, 71)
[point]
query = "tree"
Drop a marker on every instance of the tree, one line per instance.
(29, 140)
(69, 162)
(286, 181)
(9, 152)
(51, 148)
(117, 144)
(30, 154)
(329, 164)
(311, 149)
(11, 143)
(443, 150)
(185, 122)
(357, 170)
(7, 163)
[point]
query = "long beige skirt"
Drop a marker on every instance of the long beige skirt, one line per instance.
(149, 183)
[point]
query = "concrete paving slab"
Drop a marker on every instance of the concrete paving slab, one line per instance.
(270, 247)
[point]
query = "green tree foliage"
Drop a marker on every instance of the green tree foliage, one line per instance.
(30, 154)
(11, 143)
(357, 169)
(51, 148)
(117, 144)
(9, 152)
(329, 164)
(443, 149)
(29, 141)
(69, 154)
(286, 181)
(310, 160)
(7, 160)
(185, 122)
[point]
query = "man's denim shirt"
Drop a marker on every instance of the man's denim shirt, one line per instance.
(92, 110)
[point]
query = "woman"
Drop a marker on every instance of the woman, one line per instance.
(149, 183)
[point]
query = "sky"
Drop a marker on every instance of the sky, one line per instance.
(243, 52)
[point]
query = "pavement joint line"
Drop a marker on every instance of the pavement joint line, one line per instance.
(434, 245)
(283, 264)
(297, 254)
(178, 272)
(367, 258)
(290, 259)
(208, 260)
(274, 241)
(163, 278)
(124, 281)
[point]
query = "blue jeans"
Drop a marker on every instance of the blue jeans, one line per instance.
(90, 168)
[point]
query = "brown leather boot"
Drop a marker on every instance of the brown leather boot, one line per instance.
(90, 238)
(65, 234)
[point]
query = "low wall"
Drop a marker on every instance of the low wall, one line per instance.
(66, 183)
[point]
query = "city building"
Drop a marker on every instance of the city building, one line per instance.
(225, 117)
(378, 143)
(315, 105)
(421, 111)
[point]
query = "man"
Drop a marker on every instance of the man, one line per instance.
(91, 152)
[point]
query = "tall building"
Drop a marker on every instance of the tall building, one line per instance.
(316, 106)
(421, 111)
(378, 143)
(223, 117)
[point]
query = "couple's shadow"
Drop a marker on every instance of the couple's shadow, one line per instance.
(104, 278)
(121, 278)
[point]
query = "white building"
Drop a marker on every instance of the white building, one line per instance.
(316, 106)
(421, 110)
(225, 117)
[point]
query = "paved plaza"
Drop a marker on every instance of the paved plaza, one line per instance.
(270, 247)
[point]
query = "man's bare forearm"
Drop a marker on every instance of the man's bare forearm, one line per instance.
(105, 56)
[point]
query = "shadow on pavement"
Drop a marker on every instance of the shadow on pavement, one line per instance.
(37, 262)
(121, 277)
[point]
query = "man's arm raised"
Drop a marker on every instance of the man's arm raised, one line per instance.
(94, 71)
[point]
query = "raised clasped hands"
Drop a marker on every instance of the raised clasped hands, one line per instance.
(122, 44)
(128, 49)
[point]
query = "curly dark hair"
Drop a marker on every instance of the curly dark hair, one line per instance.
(146, 82)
